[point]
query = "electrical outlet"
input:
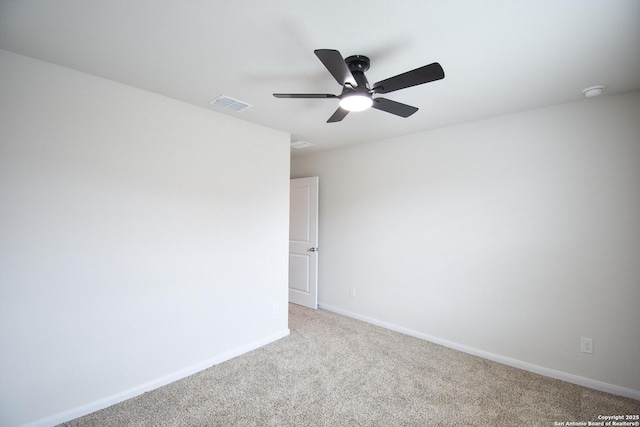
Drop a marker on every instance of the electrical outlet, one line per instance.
(352, 292)
(586, 345)
(275, 308)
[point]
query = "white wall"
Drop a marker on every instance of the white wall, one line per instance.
(141, 239)
(510, 237)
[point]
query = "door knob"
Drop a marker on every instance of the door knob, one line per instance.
(313, 249)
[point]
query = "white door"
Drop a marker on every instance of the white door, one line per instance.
(303, 242)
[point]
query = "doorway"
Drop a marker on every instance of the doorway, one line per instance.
(303, 242)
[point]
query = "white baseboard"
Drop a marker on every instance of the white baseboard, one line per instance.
(151, 385)
(547, 372)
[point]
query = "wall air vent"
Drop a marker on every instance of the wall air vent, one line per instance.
(229, 103)
(299, 145)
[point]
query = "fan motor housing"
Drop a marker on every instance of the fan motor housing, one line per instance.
(358, 63)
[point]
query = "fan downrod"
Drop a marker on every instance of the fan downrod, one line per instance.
(358, 64)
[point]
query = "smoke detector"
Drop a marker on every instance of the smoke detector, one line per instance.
(592, 91)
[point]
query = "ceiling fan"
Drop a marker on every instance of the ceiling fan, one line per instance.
(357, 95)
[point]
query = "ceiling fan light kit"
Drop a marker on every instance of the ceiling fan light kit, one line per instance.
(357, 95)
(356, 102)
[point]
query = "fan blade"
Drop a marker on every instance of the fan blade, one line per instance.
(304, 95)
(333, 60)
(426, 74)
(393, 107)
(340, 114)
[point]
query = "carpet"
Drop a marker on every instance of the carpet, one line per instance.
(337, 371)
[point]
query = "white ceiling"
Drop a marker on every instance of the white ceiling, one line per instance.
(499, 56)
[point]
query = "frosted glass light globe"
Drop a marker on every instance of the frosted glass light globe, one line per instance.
(356, 102)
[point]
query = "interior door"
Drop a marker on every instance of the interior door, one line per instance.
(303, 242)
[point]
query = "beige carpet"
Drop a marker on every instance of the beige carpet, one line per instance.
(336, 371)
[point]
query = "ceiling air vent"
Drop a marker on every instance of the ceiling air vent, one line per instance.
(229, 103)
(299, 145)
